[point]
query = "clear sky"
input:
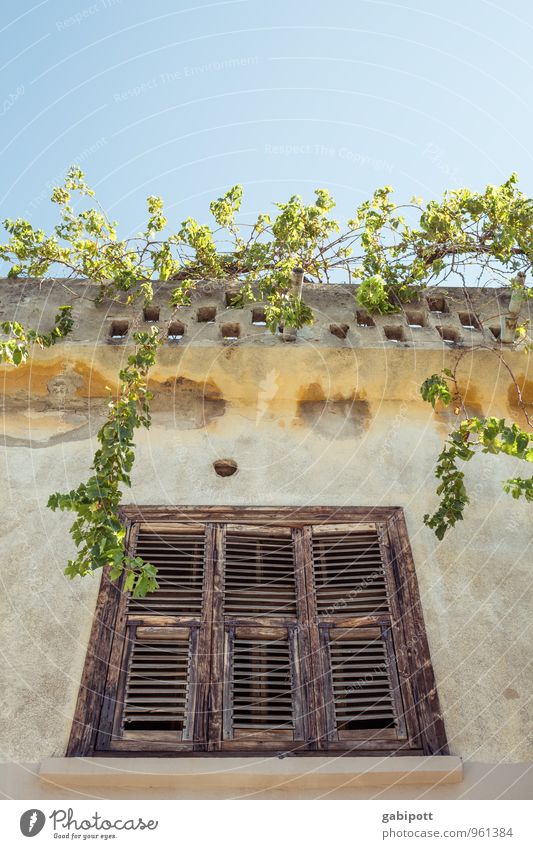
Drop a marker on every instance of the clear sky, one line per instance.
(185, 99)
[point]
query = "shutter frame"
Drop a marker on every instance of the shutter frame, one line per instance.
(407, 641)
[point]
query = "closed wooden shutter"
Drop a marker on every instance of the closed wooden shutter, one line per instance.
(348, 592)
(179, 557)
(263, 695)
(264, 703)
(278, 634)
(157, 675)
(348, 573)
(158, 683)
(259, 573)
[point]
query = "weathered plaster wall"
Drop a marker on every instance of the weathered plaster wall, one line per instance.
(321, 421)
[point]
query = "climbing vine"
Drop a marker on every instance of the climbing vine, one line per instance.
(16, 349)
(488, 435)
(391, 251)
(97, 531)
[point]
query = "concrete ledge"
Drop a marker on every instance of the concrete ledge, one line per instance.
(252, 774)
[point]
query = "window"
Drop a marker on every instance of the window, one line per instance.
(284, 630)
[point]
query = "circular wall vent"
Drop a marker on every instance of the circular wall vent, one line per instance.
(225, 468)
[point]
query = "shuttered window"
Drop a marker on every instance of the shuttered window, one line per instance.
(282, 630)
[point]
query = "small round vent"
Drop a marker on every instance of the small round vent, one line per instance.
(225, 468)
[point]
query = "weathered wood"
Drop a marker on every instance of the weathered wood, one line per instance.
(266, 516)
(110, 717)
(386, 636)
(247, 529)
(259, 621)
(171, 528)
(401, 629)
(299, 701)
(162, 633)
(317, 666)
(348, 527)
(310, 728)
(216, 675)
(340, 621)
(227, 696)
(208, 712)
(422, 677)
(342, 633)
(245, 632)
(201, 724)
(329, 697)
(92, 687)
(164, 620)
(191, 706)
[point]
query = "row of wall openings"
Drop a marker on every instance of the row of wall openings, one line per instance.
(231, 331)
(415, 318)
(394, 333)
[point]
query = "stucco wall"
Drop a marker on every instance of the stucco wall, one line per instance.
(315, 422)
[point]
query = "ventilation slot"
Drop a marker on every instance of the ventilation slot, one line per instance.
(232, 298)
(179, 560)
(437, 303)
(364, 319)
(157, 686)
(339, 330)
(415, 319)
(259, 576)
(469, 321)
(262, 687)
(151, 313)
(394, 333)
(259, 317)
(230, 332)
(449, 335)
(175, 331)
(118, 330)
(361, 685)
(206, 314)
(349, 575)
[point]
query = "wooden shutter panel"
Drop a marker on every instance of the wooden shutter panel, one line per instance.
(160, 657)
(157, 689)
(365, 694)
(259, 572)
(179, 556)
(348, 573)
(264, 701)
(361, 693)
(263, 705)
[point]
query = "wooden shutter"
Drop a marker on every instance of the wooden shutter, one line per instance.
(356, 664)
(179, 556)
(157, 695)
(264, 703)
(349, 576)
(156, 683)
(259, 573)
(272, 629)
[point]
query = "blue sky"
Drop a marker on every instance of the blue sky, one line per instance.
(185, 99)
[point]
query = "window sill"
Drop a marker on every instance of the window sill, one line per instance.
(251, 774)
